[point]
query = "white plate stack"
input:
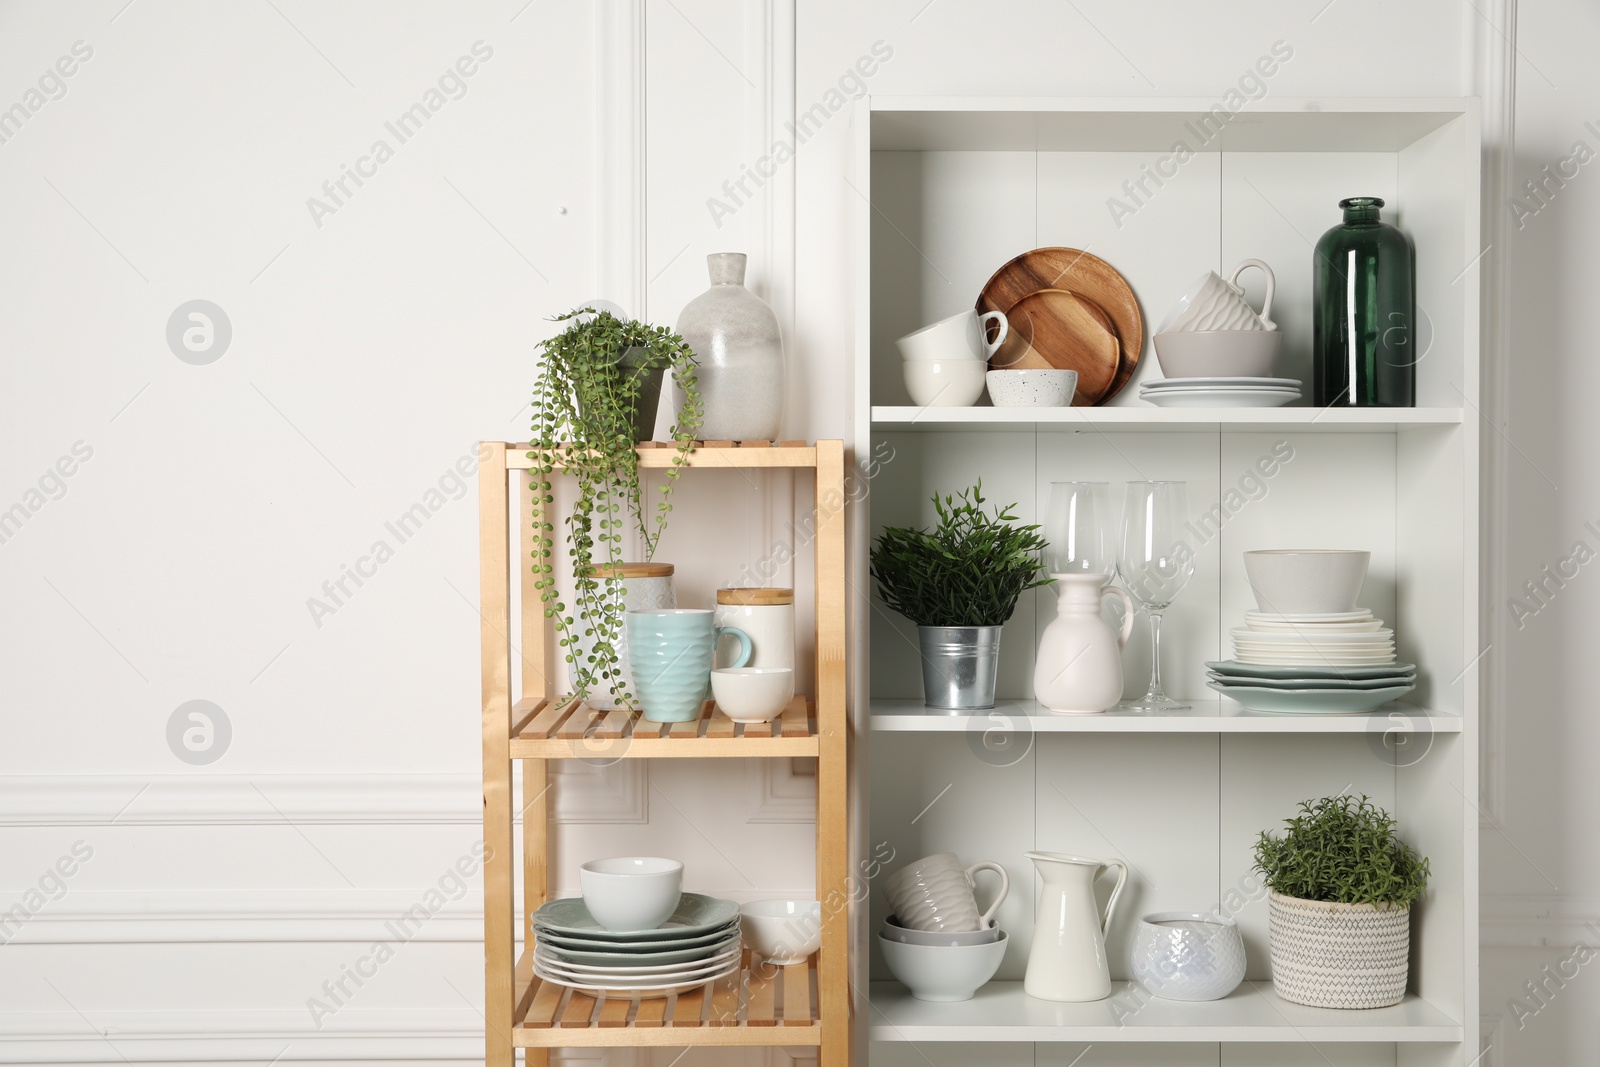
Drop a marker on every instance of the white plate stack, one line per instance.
(1220, 392)
(699, 944)
(1343, 638)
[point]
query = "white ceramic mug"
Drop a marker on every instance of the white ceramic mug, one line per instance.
(935, 893)
(962, 336)
(1214, 304)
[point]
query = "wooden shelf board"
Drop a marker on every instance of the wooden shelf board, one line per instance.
(1149, 419)
(762, 1005)
(1001, 1011)
(723, 454)
(572, 730)
(1208, 715)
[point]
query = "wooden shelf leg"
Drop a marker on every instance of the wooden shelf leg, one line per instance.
(499, 875)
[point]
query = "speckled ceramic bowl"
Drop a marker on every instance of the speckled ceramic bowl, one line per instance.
(1180, 955)
(1032, 388)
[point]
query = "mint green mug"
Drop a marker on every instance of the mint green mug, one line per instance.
(671, 651)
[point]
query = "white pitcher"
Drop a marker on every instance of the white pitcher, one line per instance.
(1068, 958)
(1079, 666)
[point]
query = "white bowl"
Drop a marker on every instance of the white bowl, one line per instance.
(907, 936)
(753, 694)
(1218, 353)
(631, 892)
(943, 973)
(782, 931)
(1032, 388)
(1306, 581)
(1188, 955)
(944, 383)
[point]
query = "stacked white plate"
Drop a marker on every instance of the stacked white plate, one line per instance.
(1337, 663)
(1220, 392)
(699, 944)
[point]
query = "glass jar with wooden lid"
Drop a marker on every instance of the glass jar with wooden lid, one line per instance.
(645, 586)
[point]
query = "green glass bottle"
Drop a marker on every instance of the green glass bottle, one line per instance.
(1363, 319)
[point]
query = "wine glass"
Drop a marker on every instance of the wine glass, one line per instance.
(1155, 563)
(1074, 529)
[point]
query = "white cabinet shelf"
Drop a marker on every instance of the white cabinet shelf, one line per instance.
(1206, 716)
(1154, 419)
(1001, 1011)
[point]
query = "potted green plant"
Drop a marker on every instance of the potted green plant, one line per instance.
(1342, 885)
(959, 582)
(595, 400)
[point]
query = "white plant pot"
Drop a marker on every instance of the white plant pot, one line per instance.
(1330, 955)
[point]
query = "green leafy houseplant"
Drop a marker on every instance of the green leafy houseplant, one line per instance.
(587, 414)
(1342, 849)
(968, 571)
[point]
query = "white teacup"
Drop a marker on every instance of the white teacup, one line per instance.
(935, 893)
(962, 336)
(752, 694)
(1214, 304)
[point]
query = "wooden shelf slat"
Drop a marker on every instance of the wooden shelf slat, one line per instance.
(797, 994)
(659, 455)
(614, 1012)
(795, 719)
(762, 1010)
(549, 717)
(614, 725)
(577, 725)
(721, 726)
(579, 1011)
(691, 1005)
(542, 1012)
(725, 1001)
(652, 1012)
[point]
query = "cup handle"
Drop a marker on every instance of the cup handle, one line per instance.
(1000, 898)
(1128, 612)
(745, 647)
(1111, 905)
(1272, 287)
(1000, 336)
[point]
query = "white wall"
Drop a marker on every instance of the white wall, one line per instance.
(369, 351)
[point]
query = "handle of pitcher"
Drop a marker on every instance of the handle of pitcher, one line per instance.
(1111, 905)
(1128, 612)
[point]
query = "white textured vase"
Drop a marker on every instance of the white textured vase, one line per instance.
(740, 371)
(646, 586)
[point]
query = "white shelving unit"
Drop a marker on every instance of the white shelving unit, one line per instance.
(950, 190)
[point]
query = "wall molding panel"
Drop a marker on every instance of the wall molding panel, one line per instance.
(782, 791)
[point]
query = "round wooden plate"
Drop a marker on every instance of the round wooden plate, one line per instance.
(1086, 275)
(1055, 328)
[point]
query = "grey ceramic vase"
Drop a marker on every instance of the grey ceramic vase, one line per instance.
(735, 337)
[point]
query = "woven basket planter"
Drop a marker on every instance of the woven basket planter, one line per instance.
(1332, 955)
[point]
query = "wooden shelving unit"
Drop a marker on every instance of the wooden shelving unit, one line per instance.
(801, 1005)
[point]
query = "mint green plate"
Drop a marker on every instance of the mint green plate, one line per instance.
(1312, 701)
(1315, 683)
(1234, 668)
(696, 915)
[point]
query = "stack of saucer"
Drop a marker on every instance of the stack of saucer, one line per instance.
(698, 944)
(1220, 392)
(1328, 663)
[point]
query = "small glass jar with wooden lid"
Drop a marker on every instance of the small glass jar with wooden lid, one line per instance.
(646, 587)
(767, 616)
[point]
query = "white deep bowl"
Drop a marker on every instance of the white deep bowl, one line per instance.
(631, 892)
(1032, 388)
(782, 931)
(907, 936)
(1218, 353)
(1188, 955)
(752, 694)
(944, 383)
(1306, 581)
(943, 972)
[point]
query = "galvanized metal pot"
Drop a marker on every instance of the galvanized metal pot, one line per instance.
(959, 665)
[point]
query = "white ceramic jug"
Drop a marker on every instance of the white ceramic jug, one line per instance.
(1079, 666)
(1068, 958)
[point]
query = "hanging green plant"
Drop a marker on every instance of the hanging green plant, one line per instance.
(595, 399)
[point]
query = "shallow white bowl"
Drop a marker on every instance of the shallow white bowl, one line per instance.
(782, 931)
(907, 936)
(752, 694)
(943, 972)
(631, 892)
(1306, 581)
(944, 383)
(1032, 388)
(1218, 353)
